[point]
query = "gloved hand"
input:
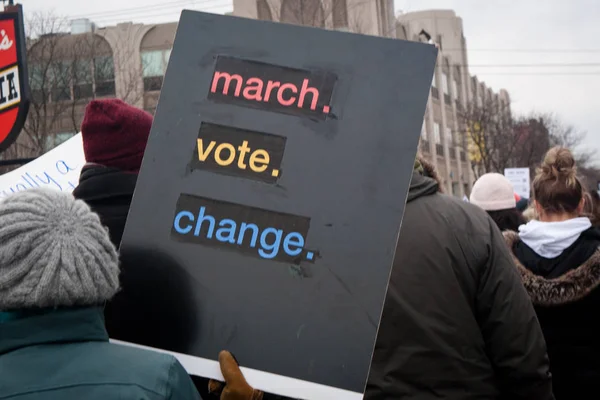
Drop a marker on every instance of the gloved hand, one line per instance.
(236, 387)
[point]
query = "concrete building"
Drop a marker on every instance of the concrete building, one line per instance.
(129, 60)
(443, 138)
(371, 17)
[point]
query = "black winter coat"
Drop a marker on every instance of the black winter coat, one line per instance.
(108, 191)
(457, 323)
(565, 293)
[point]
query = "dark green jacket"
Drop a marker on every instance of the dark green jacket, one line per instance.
(66, 355)
(457, 322)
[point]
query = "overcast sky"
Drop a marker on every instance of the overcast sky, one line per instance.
(500, 36)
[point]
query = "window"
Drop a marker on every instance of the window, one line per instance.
(154, 66)
(68, 80)
(37, 82)
(434, 90)
(438, 40)
(60, 138)
(436, 133)
(83, 82)
(454, 90)
(340, 14)
(61, 81)
(54, 140)
(445, 83)
(449, 136)
(104, 76)
(446, 88)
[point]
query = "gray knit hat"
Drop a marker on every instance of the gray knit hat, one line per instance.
(54, 252)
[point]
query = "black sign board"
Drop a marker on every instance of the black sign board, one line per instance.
(274, 180)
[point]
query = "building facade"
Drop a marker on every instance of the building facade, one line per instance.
(370, 17)
(129, 60)
(444, 139)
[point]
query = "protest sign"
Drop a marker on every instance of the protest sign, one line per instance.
(520, 179)
(274, 181)
(57, 169)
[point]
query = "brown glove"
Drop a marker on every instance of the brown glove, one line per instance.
(236, 387)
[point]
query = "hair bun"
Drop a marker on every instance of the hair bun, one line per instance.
(559, 164)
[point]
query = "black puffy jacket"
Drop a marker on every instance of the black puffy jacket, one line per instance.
(108, 191)
(565, 291)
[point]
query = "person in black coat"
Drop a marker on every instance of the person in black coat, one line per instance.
(457, 323)
(558, 257)
(155, 306)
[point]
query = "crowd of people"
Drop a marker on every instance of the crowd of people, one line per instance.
(488, 299)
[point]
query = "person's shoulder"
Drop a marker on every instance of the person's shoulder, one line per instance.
(150, 369)
(137, 356)
(459, 213)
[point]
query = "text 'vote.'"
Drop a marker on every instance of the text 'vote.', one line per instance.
(239, 152)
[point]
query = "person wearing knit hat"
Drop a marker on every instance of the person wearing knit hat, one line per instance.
(114, 137)
(154, 307)
(115, 134)
(494, 193)
(57, 269)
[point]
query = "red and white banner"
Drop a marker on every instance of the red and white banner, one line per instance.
(14, 89)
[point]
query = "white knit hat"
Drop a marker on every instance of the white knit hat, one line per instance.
(54, 252)
(493, 192)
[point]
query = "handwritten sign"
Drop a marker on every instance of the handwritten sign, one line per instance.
(273, 186)
(520, 179)
(57, 169)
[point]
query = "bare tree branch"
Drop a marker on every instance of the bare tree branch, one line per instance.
(66, 72)
(492, 139)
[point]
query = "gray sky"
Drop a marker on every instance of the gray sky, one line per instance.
(499, 35)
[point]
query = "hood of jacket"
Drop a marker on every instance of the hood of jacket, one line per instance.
(99, 183)
(550, 239)
(424, 181)
(108, 191)
(573, 285)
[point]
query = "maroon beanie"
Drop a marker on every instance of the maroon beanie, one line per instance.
(115, 134)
